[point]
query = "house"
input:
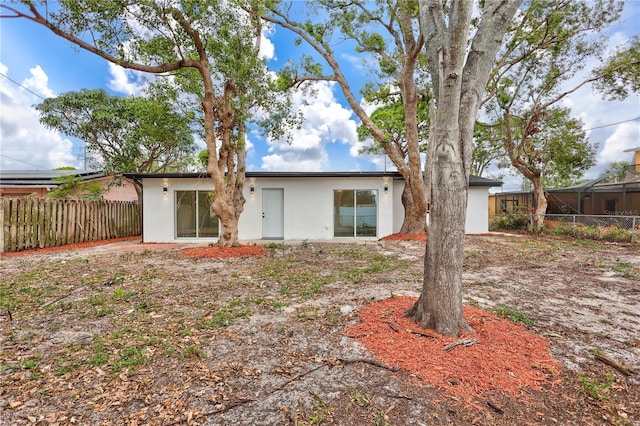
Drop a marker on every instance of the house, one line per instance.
(602, 196)
(290, 206)
(38, 183)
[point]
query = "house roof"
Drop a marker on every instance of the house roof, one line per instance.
(42, 178)
(473, 180)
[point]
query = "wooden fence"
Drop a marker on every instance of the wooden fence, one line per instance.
(29, 222)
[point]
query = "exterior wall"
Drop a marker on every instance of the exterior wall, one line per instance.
(595, 203)
(492, 205)
(398, 209)
(513, 202)
(633, 203)
(21, 192)
(308, 206)
(127, 192)
(477, 221)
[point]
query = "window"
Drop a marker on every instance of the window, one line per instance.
(355, 213)
(194, 216)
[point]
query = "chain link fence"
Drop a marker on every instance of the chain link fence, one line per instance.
(600, 227)
(624, 222)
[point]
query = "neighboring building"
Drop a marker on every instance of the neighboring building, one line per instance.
(290, 206)
(38, 183)
(592, 198)
(598, 197)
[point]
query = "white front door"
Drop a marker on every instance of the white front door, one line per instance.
(273, 214)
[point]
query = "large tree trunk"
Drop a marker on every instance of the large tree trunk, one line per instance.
(229, 217)
(415, 207)
(459, 73)
(227, 175)
(440, 304)
(415, 214)
(541, 202)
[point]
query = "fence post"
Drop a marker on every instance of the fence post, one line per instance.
(2, 202)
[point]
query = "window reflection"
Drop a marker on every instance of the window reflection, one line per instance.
(355, 213)
(194, 216)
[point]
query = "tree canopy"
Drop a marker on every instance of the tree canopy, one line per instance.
(134, 134)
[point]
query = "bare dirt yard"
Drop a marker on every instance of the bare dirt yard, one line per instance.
(277, 335)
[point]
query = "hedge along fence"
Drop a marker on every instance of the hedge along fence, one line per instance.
(29, 222)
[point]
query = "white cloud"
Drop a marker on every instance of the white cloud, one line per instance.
(24, 143)
(267, 48)
(625, 136)
(325, 122)
(600, 115)
(291, 162)
(39, 82)
(129, 82)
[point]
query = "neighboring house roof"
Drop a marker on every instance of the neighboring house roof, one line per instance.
(473, 180)
(42, 178)
(596, 185)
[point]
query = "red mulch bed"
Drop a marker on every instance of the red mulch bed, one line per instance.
(405, 237)
(216, 252)
(506, 359)
(73, 246)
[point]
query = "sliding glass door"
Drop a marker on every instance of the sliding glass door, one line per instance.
(355, 213)
(194, 216)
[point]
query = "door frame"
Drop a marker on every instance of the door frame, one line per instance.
(272, 225)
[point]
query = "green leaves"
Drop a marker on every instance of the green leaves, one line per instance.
(73, 187)
(621, 75)
(132, 134)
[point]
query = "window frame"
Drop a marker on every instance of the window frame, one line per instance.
(356, 229)
(196, 211)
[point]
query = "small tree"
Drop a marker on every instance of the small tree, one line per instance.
(72, 187)
(618, 171)
(488, 148)
(549, 148)
(126, 135)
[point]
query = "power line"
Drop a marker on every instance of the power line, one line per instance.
(613, 124)
(25, 88)
(20, 161)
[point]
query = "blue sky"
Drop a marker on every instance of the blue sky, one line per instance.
(47, 65)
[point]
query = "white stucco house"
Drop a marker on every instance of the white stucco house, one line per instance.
(290, 206)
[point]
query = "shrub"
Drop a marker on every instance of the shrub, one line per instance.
(517, 219)
(591, 232)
